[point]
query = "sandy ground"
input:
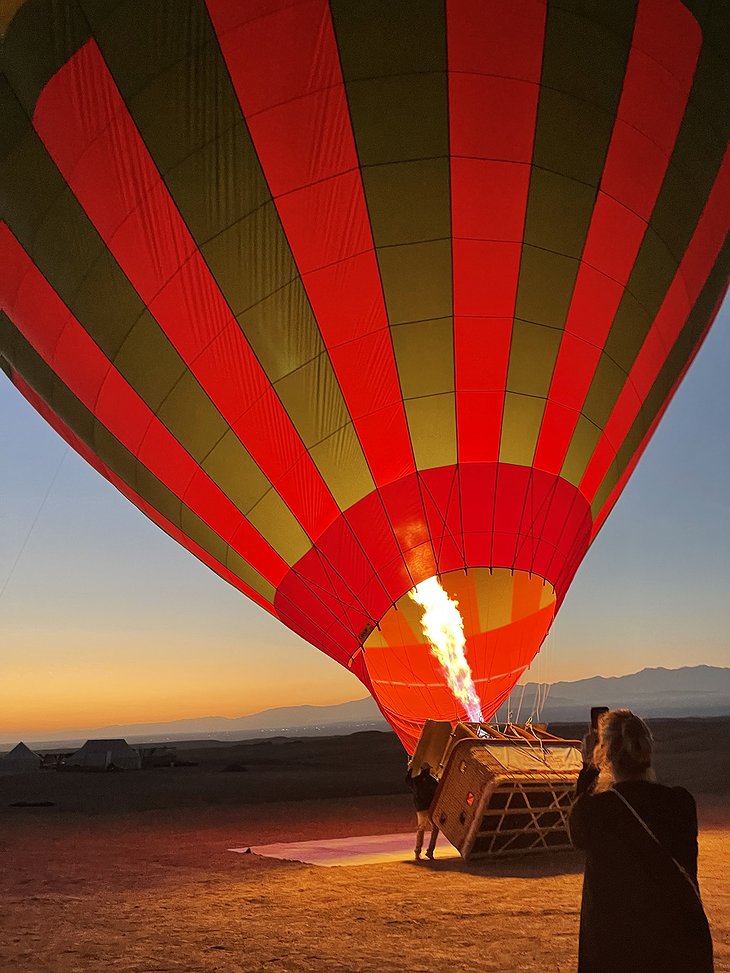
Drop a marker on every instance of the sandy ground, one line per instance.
(94, 883)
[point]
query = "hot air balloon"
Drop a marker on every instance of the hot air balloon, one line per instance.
(346, 296)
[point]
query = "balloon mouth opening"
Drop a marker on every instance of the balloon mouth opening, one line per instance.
(453, 647)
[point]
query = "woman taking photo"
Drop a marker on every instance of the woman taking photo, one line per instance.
(641, 910)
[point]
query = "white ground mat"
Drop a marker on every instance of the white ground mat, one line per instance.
(362, 850)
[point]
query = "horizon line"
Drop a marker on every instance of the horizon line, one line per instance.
(78, 732)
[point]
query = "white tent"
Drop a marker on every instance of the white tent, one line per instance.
(19, 760)
(105, 755)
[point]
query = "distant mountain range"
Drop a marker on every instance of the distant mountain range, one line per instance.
(690, 691)
(282, 721)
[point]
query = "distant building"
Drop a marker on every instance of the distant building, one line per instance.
(158, 756)
(21, 759)
(105, 755)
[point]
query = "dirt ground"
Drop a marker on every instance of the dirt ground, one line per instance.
(94, 883)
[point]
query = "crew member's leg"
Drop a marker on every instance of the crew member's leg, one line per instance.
(422, 818)
(432, 841)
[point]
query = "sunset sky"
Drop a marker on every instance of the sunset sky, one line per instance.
(104, 619)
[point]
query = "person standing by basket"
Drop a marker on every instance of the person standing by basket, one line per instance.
(424, 787)
(641, 909)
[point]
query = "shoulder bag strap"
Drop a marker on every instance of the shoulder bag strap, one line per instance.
(651, 834)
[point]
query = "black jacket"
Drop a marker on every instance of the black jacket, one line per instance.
(423, 787)
(639, 914)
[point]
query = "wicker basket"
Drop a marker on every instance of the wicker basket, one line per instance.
(502, 792)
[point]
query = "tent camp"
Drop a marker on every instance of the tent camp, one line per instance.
(105, 755)
(19, 760)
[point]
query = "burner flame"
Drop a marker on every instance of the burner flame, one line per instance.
(443, 628)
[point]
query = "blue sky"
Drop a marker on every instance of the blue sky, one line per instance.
(104, 618)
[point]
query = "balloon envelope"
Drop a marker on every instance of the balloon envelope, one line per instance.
(344, 296)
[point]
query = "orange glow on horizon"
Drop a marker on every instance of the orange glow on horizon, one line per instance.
(76, 685)
(71, 711)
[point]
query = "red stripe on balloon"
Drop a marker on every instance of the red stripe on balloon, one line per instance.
(154, 515)
(491, 128)
(44, 320)
(88, 131)
(683, 292)
(297, 113)
(653, 100)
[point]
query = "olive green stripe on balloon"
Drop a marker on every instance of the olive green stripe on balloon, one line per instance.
(5, 329)
(584, 63)
(179, 94)
(7, 12)
(393, 60)
(25, 360)
(45, 216)
(582, 444)
(49, 222)
(692, 170)
(678, 357)
(41, 38)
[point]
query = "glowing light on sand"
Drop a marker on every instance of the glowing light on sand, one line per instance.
(443, 627)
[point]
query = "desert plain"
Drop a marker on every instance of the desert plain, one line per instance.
(131, 871)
